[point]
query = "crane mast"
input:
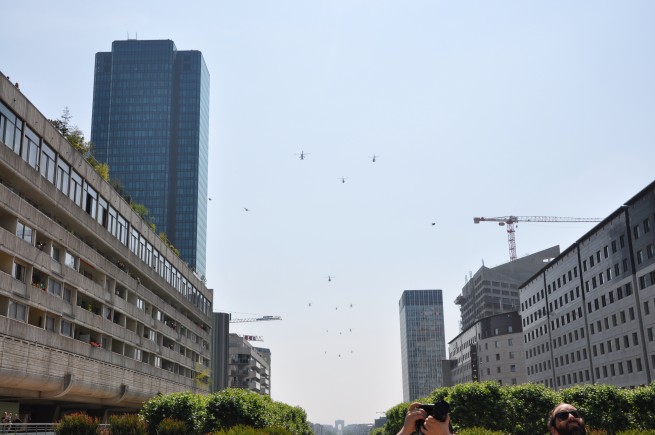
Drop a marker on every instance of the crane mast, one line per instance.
(510, 222)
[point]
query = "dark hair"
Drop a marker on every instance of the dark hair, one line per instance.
(551, 416)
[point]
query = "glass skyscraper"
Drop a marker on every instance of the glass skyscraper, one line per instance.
(150, 123)
(423, 342)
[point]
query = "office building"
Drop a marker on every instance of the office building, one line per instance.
(589, 315)
(495, 290)
(490, 350)
(150, 124)
(248, 368)
(423, 342)
(96, 312)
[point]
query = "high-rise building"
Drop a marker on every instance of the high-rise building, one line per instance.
(150, 124)
(588, 316)
(96, 312)
(495, 290)
(423, 342)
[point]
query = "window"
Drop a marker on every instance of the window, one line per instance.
(636, 232)
(17, 311)
(19, 272)
(50, 323)
(640, 256)
(66, 328)
(48, 157)
(54, 287)
(63, 176)
(24, 232)
(70, 260)
(646, 225)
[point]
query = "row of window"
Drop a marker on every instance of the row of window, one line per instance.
(34, 150)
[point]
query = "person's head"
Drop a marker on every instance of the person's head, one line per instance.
(565, 419)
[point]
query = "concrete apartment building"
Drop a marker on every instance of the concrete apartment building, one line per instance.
(423, 342)
(490, 350)
(96, 312)
(495, 290)
(249, 368)
(589, 315)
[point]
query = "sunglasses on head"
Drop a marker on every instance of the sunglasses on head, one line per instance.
(565, 414)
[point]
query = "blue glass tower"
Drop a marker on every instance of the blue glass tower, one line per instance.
(150, 123)
(422, 342)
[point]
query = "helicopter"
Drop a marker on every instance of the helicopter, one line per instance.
(302, 155)
(343, 179)
(373, 157)
(329, 277)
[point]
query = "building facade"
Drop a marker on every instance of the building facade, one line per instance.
(423, 342)
(490, 350)
(96, 312)
(589, 315)
(495, 290)
(150, 123)
(249, 368)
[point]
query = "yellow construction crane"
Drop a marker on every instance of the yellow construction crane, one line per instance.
(511, 220)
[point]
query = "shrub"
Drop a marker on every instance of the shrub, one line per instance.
(233, 407)
(641, 403)
(127, 424)
(170, 426)
(637, 432)
(186, 407)
(529, 405)
(478, 404)
(248, 430)
(603, 406)
(478, 431)
(77, 424)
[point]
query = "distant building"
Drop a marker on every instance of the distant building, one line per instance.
(495, 290)
(96, 312)
(248, 368)
(423, 342)
(589, 315)
(220, 350)
(490, 350)
(150, 123)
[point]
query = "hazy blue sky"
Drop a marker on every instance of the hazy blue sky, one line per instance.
(475, 108)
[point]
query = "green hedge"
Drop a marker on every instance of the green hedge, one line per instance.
(224, 410)
(523, 409)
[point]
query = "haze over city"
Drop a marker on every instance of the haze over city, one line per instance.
(471, 109)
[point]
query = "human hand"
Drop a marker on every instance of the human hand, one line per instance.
(414, 414)
(432, 426)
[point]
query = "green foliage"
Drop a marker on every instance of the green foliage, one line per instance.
(395, 418)
(171, 426)
(479, 431)
(77, 424)
(528, 406)
(233, 407)
(603, 406)
(377, 431)
(478, 404)
(247, 430)
(186, 407)
(140, 209)
(127, 424)
(637, 432)
(642, 404)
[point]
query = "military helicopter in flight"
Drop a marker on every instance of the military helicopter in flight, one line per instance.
(343, 179)
(302, 155)
(373, 157)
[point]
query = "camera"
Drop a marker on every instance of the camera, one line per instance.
(438, 410)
